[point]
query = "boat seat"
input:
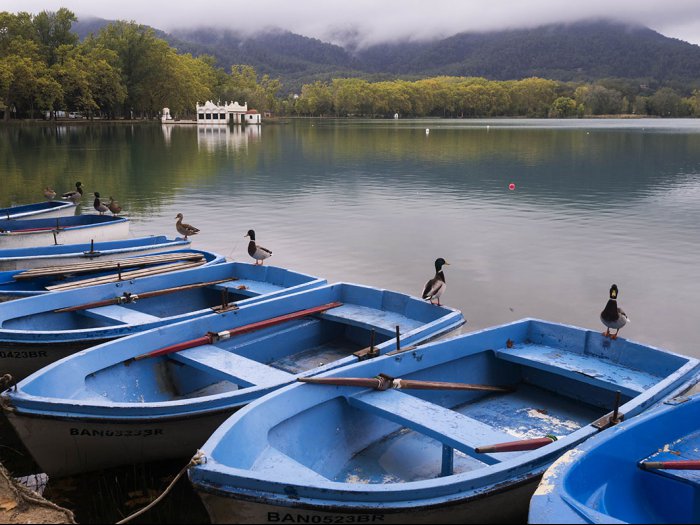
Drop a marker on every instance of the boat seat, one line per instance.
(252, 288)
(121, 314)
(581, 367)
(231, 367)
(446, 426)
(383, 321)
(686, 448)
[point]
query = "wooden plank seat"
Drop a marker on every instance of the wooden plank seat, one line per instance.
(588, 369)
(121, 314)
(231, 367)
(442, 424)
(365, 317)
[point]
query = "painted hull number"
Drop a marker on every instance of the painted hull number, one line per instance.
(116, 433)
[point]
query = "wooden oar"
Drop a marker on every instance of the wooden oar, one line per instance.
(681, 464)
(212, 337)
(516, 446)
(384, 382)
(121, 276)
(130, 298)
(92, 266)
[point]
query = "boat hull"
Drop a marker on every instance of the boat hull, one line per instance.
(415, 451)
(39, 210)
(101, 233)
(81, 253)
(90, 445)
(501, 505)
(20, 360)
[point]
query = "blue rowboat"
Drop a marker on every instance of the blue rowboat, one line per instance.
(438, 445)
(44, 210)
(16, 284)
(160, 394)
(57, 254)
(62, 230)
(646, 470)
(36, 331)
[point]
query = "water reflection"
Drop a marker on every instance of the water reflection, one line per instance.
(375, 202)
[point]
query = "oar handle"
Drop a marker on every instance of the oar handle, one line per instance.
(212, 337)
(516, 446)
(384, 382)
(144, 295)
(682, 464)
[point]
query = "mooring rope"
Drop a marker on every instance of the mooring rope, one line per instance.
(197, 459)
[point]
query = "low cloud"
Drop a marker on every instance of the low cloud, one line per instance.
(372, 21)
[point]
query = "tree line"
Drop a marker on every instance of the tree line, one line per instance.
(126, 71)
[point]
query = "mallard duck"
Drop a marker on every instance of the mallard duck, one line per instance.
(612, 316)
(184, 229)
(99, 205)
(436, 286)
(49, 193)
(256, 251)
(113, 206)
(74, 195)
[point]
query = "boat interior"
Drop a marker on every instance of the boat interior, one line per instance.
(367, 436)
(270, 356)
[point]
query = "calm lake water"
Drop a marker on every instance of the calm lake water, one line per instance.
(595, 202)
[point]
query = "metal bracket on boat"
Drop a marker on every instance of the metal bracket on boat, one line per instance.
(127, 297)
(215, 337)
(612, 419)
(369, 352)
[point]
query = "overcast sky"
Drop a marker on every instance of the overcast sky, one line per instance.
(381, 20)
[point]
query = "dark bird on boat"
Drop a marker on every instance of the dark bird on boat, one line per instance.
(99, 205)
(74, 195)
(436, 286)
(612, 316)
(256, 251)
(183, 228)
(49, 193)
(113, 206)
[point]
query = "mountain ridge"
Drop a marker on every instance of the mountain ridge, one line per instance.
(583, 51)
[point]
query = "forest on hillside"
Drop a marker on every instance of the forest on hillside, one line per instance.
(125, 70)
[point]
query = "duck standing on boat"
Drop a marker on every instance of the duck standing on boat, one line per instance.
(49, 193)
(612, 316)
(436, 286)
(74, 195)
(99, 205)
(114, 206)
(256, 251)
(183, 228)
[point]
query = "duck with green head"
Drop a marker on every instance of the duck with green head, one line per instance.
(612, 316)
(436, 286)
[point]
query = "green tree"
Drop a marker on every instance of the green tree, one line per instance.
(53, 30)
(563, 107)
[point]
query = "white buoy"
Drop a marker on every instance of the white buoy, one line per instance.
(427, 130)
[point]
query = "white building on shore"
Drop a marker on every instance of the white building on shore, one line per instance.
(212, 114)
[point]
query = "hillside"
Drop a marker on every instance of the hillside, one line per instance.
(583, 51)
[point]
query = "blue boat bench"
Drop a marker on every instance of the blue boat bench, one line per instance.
(581, 367)
(249, 287)
(121, 314)
(687, 448)
(232, 367)
(451, 428)
(384, 322)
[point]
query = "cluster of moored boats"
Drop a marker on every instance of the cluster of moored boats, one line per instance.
(302, 401)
